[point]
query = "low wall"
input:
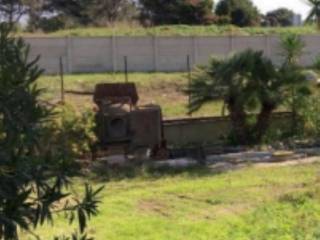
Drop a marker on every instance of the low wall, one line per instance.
(146, 54)
(213, 130)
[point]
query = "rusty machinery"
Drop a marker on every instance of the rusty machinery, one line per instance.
(120, 122)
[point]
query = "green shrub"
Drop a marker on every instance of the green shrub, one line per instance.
(311, 117)
(221, 20)
(52, 24)
(241, 12)
(316, 63)
(72, 131)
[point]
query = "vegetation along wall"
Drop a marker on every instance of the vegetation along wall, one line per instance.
(145, 54)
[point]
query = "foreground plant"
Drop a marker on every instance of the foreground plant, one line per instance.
(34, 182)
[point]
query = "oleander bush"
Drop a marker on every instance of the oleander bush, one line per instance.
(36, 158)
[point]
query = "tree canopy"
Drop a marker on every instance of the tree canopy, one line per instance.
(241, 12)
(60, 13)
(177, 11)
(280, 17)
(11, 10)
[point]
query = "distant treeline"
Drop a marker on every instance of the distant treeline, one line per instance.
(52, 15)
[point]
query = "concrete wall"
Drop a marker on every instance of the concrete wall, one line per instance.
(212, 130)
(145, 54)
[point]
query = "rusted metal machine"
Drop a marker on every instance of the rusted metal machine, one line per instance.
(122, 124)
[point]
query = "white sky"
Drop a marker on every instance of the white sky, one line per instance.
(298, 6)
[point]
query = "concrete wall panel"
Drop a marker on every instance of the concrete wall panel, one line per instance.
(145, 54)
(139, 52)
(243, 43)
(312, 50)
(172, 53)
(91, 54)
(275, 50)
(208, 47)
(50, 50)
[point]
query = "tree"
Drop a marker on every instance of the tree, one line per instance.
(34, 9)
(280, 17)
(248, 83)
(93, 12)
(177, 11)
(74, 10)
(109, 11)
(11, 10)
(315, 11)
(241, 12)
(34, 182)
(245, 82)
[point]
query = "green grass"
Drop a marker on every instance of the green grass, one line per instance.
(175, 30)
(165, 89)
(255, 203)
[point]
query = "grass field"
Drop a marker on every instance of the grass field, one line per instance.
(175, 30)
(256, 203)
(165, 89)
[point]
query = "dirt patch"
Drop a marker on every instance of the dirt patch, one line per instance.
(153, 206)
(232, 209)
(290, 162)
(223, 167)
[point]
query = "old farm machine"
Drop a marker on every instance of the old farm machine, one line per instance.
(122, 125)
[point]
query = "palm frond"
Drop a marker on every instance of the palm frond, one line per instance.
(311, 16)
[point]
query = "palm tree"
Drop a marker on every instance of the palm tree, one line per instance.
(314, 12)
(246, 82)
(297, 88)
(292, 47)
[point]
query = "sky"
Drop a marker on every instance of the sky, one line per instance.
(298, 6)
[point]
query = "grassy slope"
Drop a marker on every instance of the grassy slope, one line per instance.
(255, 203)
(176, 30)
(165, 89)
